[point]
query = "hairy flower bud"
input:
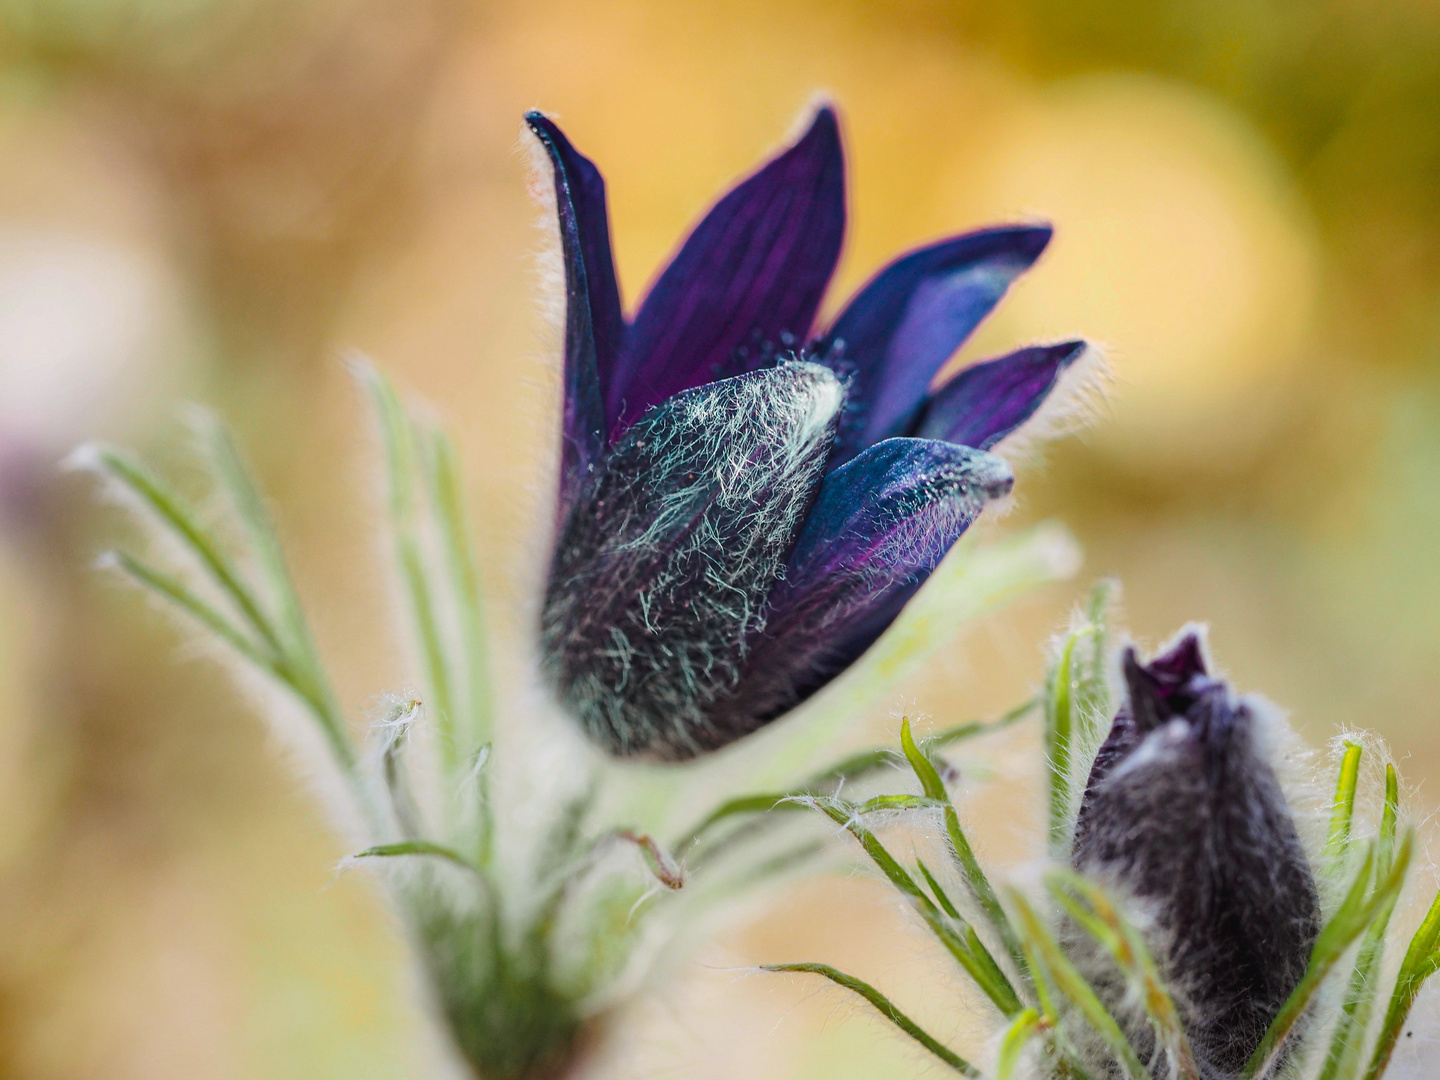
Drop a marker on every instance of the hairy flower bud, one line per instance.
(1183, 813)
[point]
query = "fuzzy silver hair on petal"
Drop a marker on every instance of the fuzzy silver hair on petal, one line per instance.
(662, 571)
(1183, 814)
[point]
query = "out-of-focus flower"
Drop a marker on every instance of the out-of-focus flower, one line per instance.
(1183, 813)
(747, 503)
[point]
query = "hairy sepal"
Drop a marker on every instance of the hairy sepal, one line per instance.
(661, 572)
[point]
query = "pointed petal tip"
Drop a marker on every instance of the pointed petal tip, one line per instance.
(1027, 242)
(826, 121)
(542, 125)
(1165, 686)
(1183, 660)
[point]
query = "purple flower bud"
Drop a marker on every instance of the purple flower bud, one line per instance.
(1183, 813)
(748, 500)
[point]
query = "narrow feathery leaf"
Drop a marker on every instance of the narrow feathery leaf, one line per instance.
(1024, 1028)
(1347, 1043)
(1065, 980)
(969, 866)
(474, 722)
(970, 955)
(886, 1008)
(415, 576)
(1361, 906)
(172, 589)
(1337, 841)
(286, 656)
(417, 847)
(1060, 725)
(182, 523)
(1098, 915)
(294, 630)
(1422, 959)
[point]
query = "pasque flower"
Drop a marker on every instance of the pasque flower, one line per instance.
(1183, 813)
(747, 501)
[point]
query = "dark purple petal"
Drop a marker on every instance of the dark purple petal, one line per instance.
(662, 568)
(1188, 818)
(594, 325)
(746, 283)
(989, 400)
(880, 525)
(899, 330)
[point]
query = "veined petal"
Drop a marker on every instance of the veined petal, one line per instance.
(594, 324)
(663, 566)
(987, 401)
(880, 525)
(899, 330)
(745, 284)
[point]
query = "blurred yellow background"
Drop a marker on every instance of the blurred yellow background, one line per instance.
(213, 199)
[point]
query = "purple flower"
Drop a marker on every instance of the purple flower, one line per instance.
(747, 501)
(1182, 812)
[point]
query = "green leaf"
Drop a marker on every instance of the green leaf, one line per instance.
(285, 652)
(1420, 962)
(1098, 916)
(970, 954)
(1055, 968)
(1356, 912)
(182, 523)
(1060, 730)
(970, 870)
(887, 1009)
(940, 895)
(1342, 1061)
(175, 591)
(855, 767)
(1337, 842)
(924, 768)
(1076, 698)
(453, 520)
(415, 575)
(417, 847)
(1022, 1029)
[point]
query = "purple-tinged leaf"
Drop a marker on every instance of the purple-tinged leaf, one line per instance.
(594, 324)
(899, 330)
(987, 401)
(745, 286)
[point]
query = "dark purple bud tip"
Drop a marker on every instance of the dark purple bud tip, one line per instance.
(1183, 813)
